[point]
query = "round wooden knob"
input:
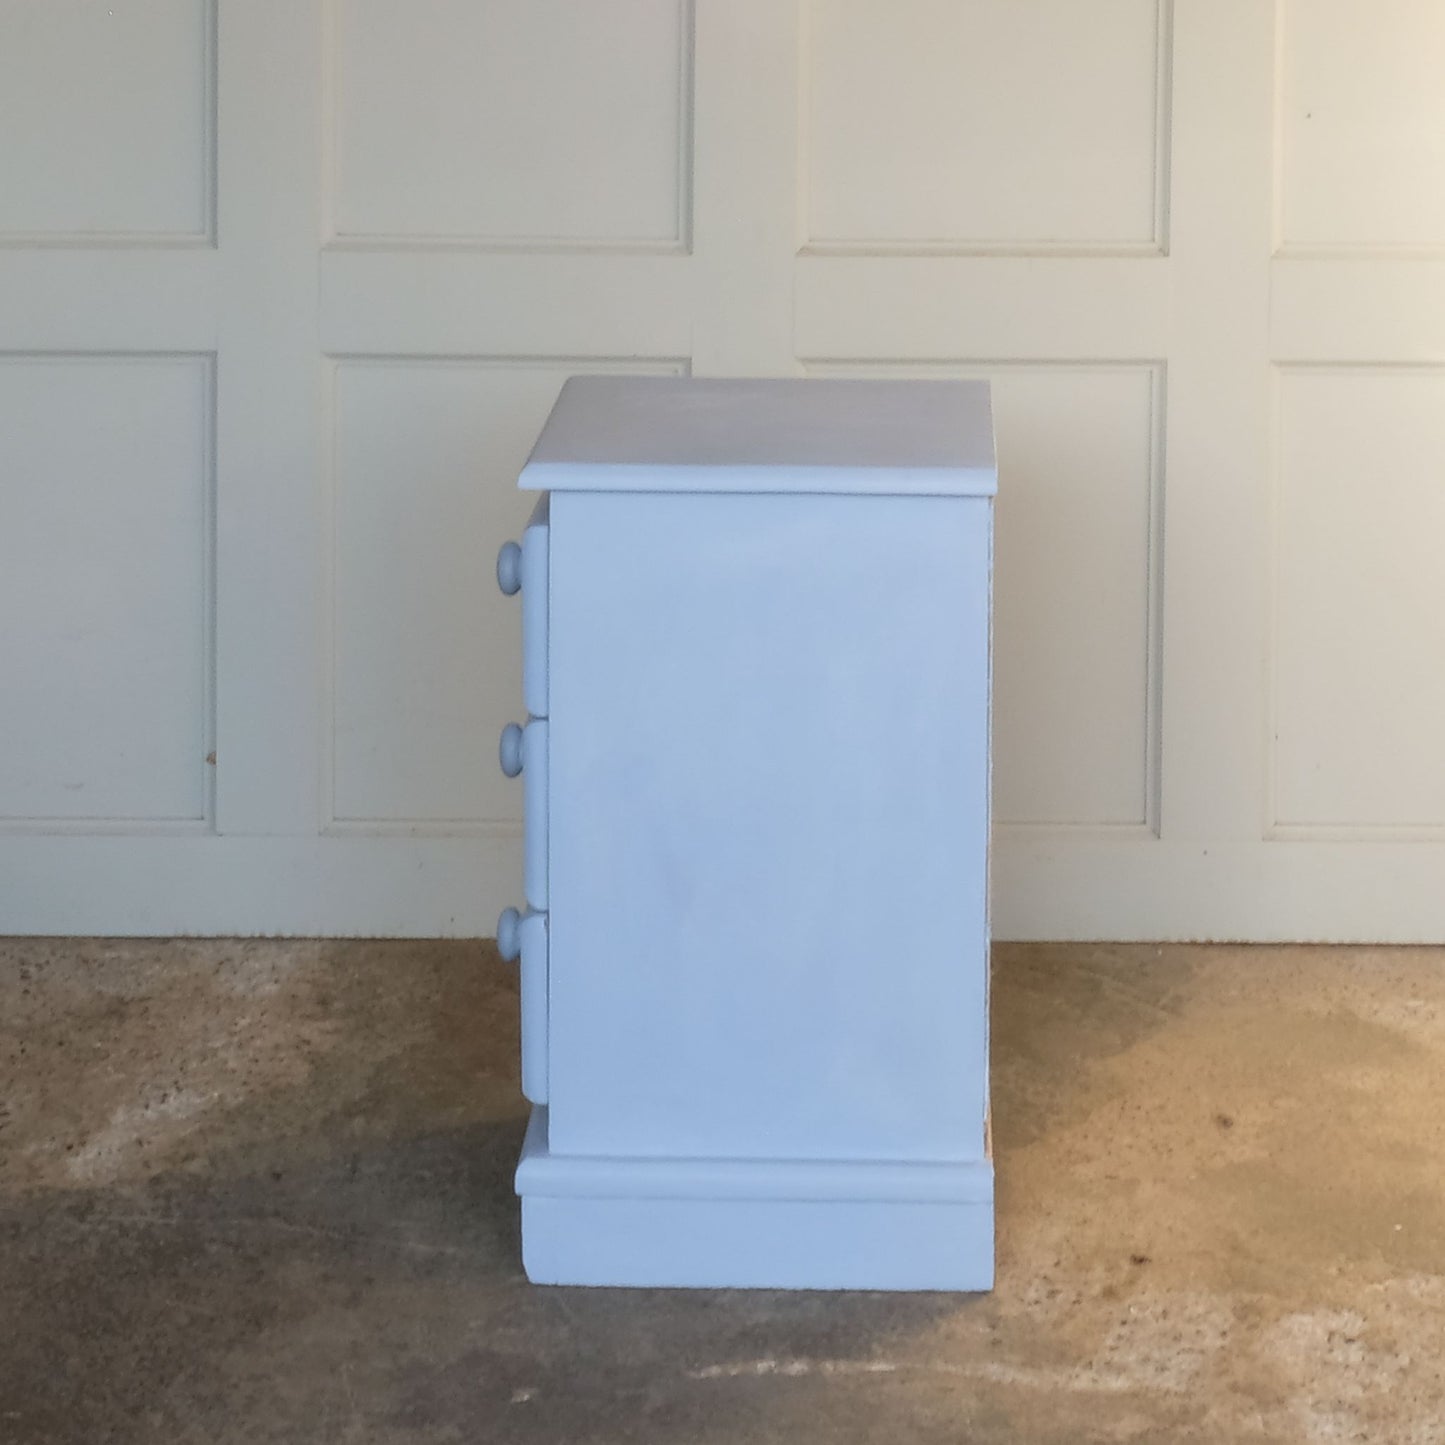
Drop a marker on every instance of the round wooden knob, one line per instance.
(509, 934)
(509, 568)
(509, 750)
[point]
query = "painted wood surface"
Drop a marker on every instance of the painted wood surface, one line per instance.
(758, 827)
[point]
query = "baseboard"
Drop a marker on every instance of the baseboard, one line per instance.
(152, 885)
(1046, 886)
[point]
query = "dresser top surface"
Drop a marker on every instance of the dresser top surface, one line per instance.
(679, 434)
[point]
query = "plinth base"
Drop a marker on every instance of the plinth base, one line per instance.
(753, 1224)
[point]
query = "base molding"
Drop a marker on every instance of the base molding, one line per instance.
(1048, 884)
(753, 1224)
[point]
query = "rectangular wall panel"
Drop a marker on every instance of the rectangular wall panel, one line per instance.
(1075, 572)
(1362, 125)
(537, 121)
(107, 114)
(986, 124)
(105, 542)
(1359, 701)
(427, 662)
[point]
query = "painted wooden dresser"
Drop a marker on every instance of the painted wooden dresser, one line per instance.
(754, 952)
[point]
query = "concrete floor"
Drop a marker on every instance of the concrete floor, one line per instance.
(260, 1191)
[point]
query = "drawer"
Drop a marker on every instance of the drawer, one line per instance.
(525, 935)
(534, 612)
(522, 567)
(523, 750)
(534, 782)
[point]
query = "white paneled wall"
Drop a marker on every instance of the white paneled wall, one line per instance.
(288, 286)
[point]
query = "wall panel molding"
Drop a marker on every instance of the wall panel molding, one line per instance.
(107, 159)
(130, 526)
(343, 235)
(1151, 238)
(1370, 511)
(1358, 111)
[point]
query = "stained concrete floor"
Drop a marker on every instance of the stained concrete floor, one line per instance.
(260, 1192)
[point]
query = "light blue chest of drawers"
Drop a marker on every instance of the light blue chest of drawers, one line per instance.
(754, 956)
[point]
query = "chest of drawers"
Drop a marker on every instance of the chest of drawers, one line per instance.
(754, 952)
